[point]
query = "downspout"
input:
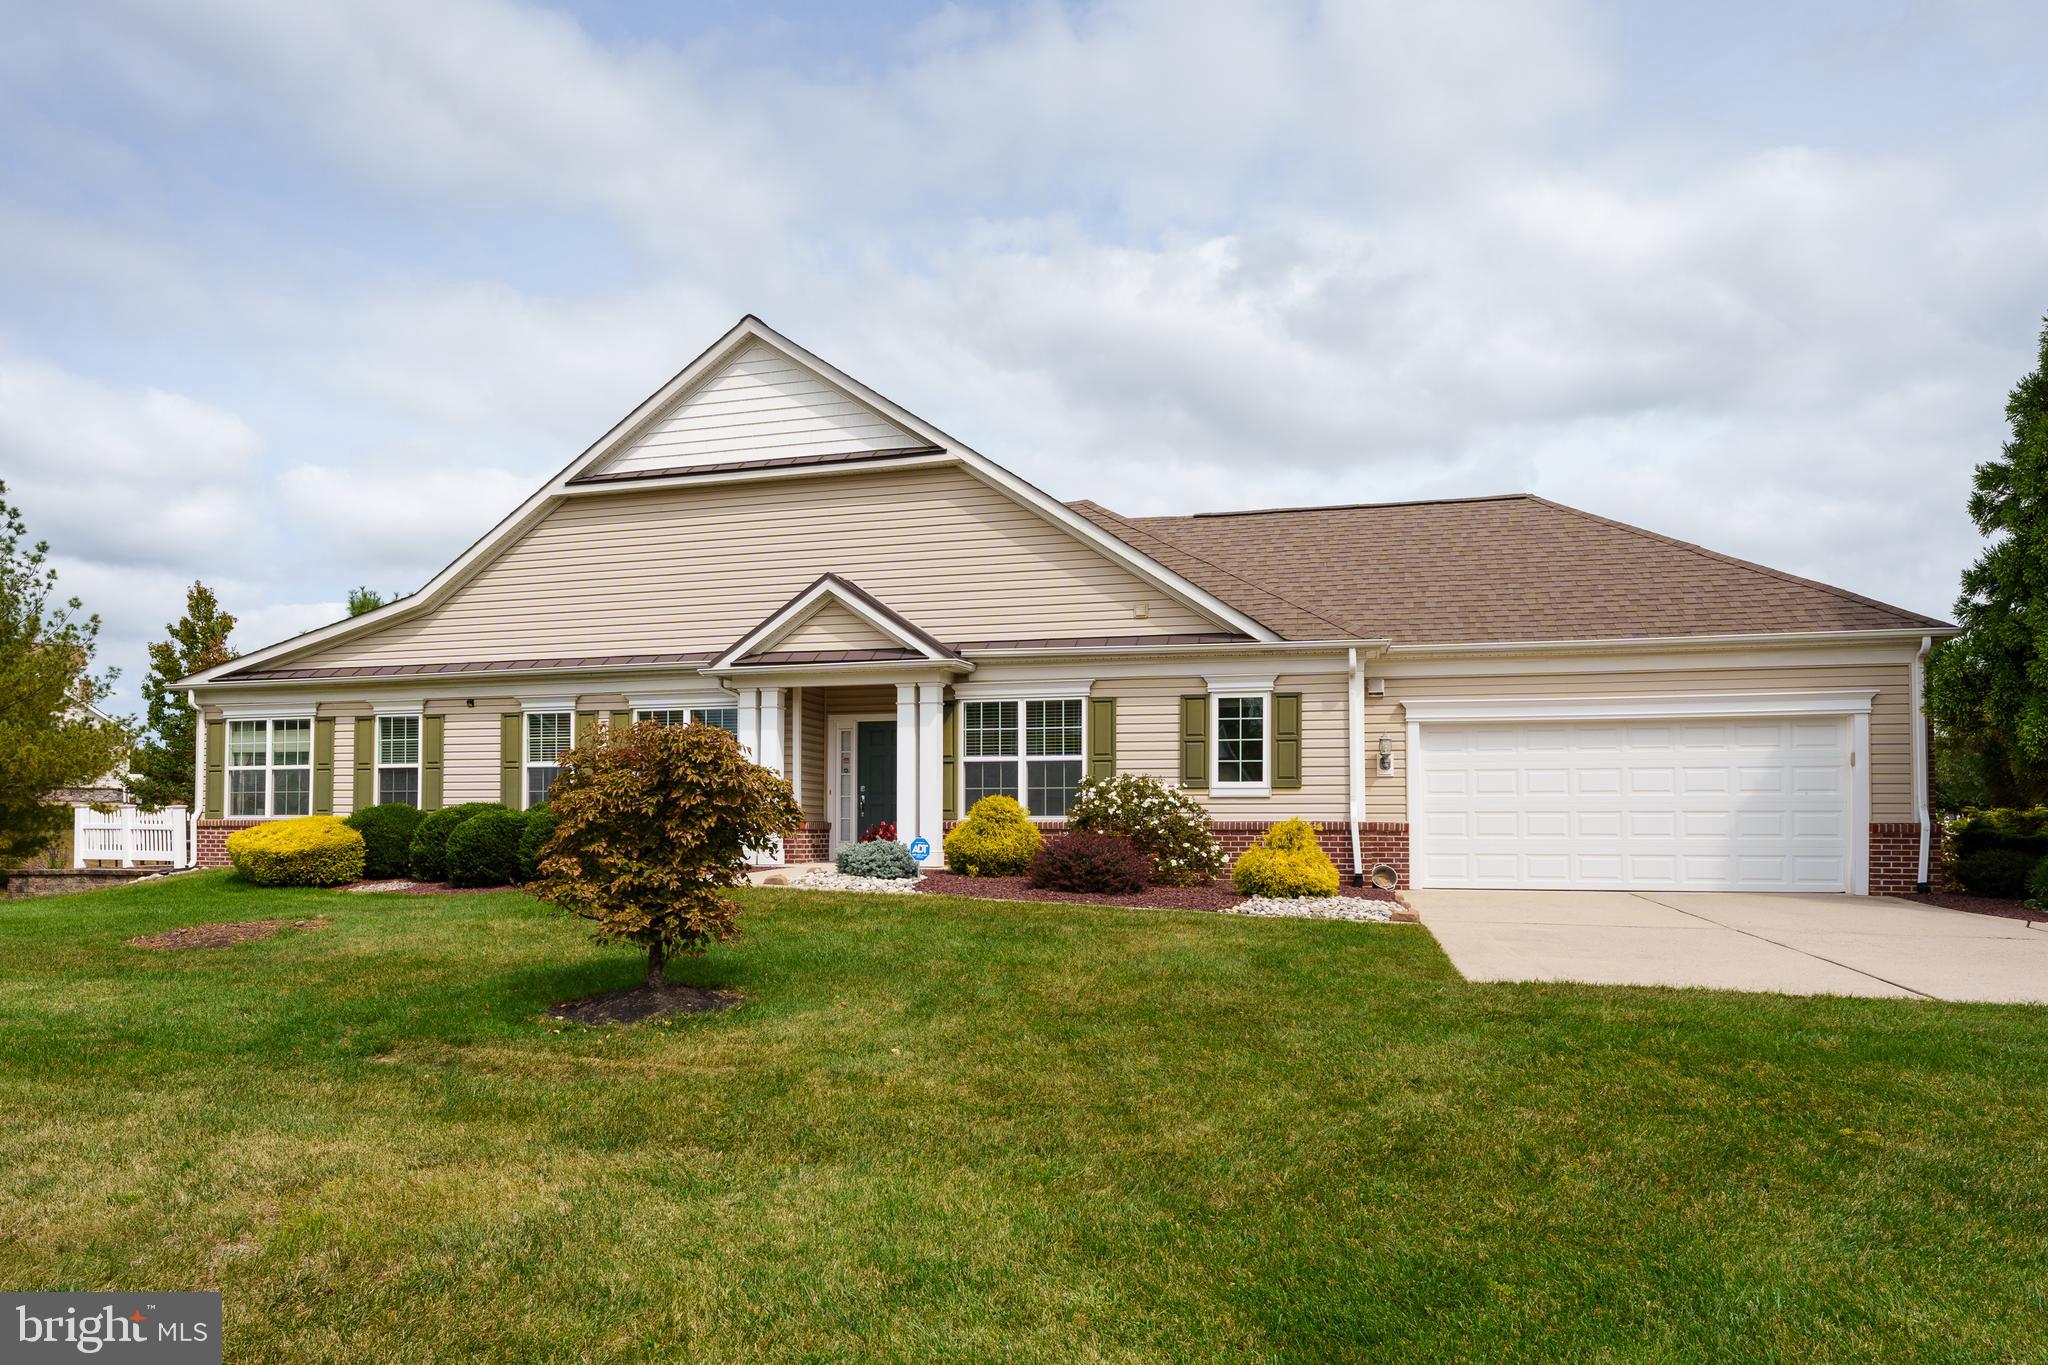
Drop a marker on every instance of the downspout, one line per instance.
(1920, 760)
(1354, 724)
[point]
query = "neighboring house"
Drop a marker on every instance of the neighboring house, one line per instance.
(109, 789)
(1480, 692)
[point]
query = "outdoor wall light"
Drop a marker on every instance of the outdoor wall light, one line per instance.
(1386, 753)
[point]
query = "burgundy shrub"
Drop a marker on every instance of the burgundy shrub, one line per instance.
(1107, 864)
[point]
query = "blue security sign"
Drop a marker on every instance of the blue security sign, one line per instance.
(920, 848)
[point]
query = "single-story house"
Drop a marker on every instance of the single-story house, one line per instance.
(1479, 692)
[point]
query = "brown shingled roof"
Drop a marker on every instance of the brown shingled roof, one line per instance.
(1516, 567)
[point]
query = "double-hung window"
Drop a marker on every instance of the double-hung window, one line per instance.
(726, 718)
(270, 767)
(1242, 749)
(398, 760)
(548, 733)
(1029, 750)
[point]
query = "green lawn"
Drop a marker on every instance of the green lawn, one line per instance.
(965, 1130)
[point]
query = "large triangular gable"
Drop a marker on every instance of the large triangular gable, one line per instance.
(646, 449)
(757, 406)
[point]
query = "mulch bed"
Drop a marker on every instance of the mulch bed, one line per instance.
(637, 1003)
(1981, 905)
(219, 935)
(1209, 896)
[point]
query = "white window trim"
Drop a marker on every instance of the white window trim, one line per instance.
(1020, 758)
(269, 767)
(1217, 786)
(526, 760)
(418, 767)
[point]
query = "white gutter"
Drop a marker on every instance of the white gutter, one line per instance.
(1920, 758)
(1614, 642)
(1354, 728)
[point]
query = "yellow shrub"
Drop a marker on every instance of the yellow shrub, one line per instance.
(314, 850)
(1287, 863)
(996, 840)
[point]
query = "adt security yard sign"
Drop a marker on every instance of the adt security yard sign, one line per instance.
(920, 848)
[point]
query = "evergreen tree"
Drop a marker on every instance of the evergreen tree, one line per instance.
(48, 739)
(364, 599)
(1988, 687)
(166, 762)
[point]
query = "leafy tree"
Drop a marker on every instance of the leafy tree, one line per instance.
(364, 599)
(1988, 687)
(165, 763)
(651, 824)
(47, 737)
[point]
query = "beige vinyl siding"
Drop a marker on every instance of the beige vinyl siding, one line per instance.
(834, 626)
(812, 717)
(1891, 735)
(1148, 743)
(469, 755)
(344, 763)
(758, 405)
(694, 569)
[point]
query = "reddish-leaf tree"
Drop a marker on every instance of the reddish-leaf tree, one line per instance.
(652, 824)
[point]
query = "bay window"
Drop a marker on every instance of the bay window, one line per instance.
(270, 767)
(548, 733)
(398, 760)
(1028, 750)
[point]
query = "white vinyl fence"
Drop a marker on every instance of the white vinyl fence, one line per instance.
(129, 835)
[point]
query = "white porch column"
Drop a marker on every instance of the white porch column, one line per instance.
(931, 705)
(750, 722)
(906, 762)
(770, 755)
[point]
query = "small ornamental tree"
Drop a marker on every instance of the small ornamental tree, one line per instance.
(652, 823)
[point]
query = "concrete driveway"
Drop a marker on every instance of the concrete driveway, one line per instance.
(1797, 945)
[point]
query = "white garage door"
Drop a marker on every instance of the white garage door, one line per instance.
(1735, 805)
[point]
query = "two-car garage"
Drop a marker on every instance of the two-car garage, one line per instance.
(1734, 792)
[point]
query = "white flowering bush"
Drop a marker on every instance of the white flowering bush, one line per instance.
(1168, 825)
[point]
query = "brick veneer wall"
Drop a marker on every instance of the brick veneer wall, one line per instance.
(1895, 860)
(213, 840)
(811, 844)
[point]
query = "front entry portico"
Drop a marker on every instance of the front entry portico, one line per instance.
(888, 766)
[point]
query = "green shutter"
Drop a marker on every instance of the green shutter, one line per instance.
(366, 762)
(1286, 740)
(1194, 741)
(622, 720)
(586, 726)
(949, 763)
(432, 730)
(323, 765)
(1102, 737)
(511, 763)
(216, 761)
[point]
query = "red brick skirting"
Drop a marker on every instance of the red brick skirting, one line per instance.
(811, 844)
(1377, 843)
(1895, 860)
(213, 839)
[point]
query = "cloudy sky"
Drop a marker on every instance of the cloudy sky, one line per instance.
(296, 297)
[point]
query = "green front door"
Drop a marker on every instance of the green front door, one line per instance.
(875, 747)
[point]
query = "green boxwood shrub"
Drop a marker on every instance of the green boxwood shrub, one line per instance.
(996, 840)
(2037, 886)
(1287, 863)
(1978, 830)
(540, 824)
(1085, 861)
(387, 832)
(427, 859)
(484, 849)
(2001, 872)
(1169, 826)
(877, 858)
(313, 850)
